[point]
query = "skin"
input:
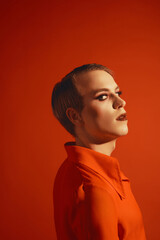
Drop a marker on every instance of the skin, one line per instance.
(96, 126)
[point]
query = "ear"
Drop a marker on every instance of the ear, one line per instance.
(74, 116)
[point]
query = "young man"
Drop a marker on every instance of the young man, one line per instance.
(92, 196)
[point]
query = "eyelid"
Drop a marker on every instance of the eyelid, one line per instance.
(119, 92)
(102, 94)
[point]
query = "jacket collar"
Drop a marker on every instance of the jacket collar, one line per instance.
(107, 166)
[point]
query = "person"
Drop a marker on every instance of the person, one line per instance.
(92, 197)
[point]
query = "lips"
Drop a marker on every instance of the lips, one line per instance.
(122, 117)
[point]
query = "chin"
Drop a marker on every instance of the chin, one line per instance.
(123, 131)
(115, 135)
(120, 132)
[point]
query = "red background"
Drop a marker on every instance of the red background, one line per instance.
(40, 42)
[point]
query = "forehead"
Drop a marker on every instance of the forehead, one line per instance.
(89, 82)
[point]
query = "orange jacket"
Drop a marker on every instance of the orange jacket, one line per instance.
(93, 199)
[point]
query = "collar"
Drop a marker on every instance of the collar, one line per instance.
(108, 167)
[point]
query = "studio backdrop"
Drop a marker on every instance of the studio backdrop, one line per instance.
(40, 42)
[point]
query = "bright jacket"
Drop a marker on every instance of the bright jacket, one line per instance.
(93, 199)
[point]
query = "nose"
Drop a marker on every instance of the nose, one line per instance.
(118, 102)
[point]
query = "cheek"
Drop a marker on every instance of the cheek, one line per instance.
(95, 114)
(91, 113)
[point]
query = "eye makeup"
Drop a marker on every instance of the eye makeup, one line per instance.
(104, 94)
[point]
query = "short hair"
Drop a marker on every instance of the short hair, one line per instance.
(65, 95)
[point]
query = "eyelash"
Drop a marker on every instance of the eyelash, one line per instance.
(119, 93)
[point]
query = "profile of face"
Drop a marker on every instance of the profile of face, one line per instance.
(101, 107)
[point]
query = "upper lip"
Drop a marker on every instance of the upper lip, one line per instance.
(122, 115)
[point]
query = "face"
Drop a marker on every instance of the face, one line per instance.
(101, 107)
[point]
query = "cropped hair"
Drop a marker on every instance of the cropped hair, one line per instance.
(65, 95)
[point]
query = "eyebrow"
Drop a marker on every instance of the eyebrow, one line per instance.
(100, 90)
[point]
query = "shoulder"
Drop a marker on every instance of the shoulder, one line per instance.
(97, 196)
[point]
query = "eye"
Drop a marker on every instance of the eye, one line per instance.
(119, 93)
(100, 97)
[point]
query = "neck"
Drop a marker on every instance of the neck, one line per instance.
(105, 147)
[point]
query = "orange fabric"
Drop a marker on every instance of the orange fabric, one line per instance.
(93, 199)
